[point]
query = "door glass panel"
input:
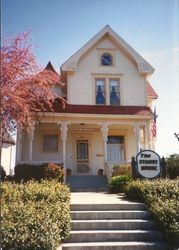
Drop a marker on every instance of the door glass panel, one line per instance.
(82, 157)
(82, 150)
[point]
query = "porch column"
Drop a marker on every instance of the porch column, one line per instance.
(148, 135)
(64, 129)
(105, 129)
(31, 138)
(18, 147)
(137, 136)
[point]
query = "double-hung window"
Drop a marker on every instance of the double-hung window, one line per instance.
(114, 92)
(107, 91)
(115, 149)
(100, 91)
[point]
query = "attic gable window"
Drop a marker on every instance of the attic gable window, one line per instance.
(106, 59)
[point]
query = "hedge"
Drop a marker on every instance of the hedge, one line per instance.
(28, 172)
(162, 199)
(118, 183)
(35, 215)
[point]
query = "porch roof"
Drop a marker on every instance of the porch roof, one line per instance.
(58, 107)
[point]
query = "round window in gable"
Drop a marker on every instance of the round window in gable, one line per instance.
(106, 59)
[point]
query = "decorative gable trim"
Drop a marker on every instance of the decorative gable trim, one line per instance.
(144, 67)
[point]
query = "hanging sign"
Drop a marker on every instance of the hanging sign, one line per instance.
(148, 164)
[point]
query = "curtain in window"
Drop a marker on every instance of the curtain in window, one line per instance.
(100, 91)
(114, 92)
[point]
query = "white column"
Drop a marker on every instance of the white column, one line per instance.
(64, 129)
(148, 130)
(105, 129)
(137, 136)
(146, 137)
(31, 138)
(18, 147)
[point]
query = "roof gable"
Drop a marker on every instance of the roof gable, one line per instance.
(143, 66)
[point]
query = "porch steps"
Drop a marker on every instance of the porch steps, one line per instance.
(88, 183)
(122, 226)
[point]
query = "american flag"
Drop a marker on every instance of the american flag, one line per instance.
(154, 125)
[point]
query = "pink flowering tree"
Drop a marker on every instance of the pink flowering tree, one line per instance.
(25, 87)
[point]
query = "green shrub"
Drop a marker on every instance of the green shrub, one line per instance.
(2, 173)
(35, 215)
(28, 172)
(162, 199)
(173, 166)
(118, 183)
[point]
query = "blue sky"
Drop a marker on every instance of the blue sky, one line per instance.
(60, 27)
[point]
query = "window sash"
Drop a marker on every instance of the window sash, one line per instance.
(114, 92)
(50, 143)
(100, 91)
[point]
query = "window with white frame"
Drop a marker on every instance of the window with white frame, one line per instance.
(50, 143)
(114, 92)
(115, 149)
(100, 91)
(107, 91)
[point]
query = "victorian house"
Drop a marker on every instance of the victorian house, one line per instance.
(107, 118)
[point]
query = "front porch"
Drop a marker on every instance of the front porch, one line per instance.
(83, 145)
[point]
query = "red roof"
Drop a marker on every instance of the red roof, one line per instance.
(49, 69)
(151, 92)
(58, 107)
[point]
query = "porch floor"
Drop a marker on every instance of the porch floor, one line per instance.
(86, 183)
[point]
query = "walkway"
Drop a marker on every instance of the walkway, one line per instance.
(96, 198)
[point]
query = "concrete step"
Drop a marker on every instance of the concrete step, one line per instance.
(114, 246)
(87, 183)
(107, 207)
(112, 224)
(119, 214)
(113, 235)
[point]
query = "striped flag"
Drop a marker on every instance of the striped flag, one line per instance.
(154, 125)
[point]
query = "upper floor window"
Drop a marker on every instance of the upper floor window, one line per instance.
(106, 59)
(100, 91)
(114, 92)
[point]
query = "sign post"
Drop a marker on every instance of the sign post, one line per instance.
(148, 164)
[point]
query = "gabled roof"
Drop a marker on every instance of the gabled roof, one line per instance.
(151, 94)
(143, 66)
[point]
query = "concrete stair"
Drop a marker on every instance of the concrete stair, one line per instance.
(122, 226)
(80, 183)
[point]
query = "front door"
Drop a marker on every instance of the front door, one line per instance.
(82, 157)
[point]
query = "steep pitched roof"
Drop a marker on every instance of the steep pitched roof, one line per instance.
(143, 66)
(50, 67)
(151, 92)
(50, 72)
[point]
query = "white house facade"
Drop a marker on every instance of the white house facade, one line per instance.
(107, 118)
